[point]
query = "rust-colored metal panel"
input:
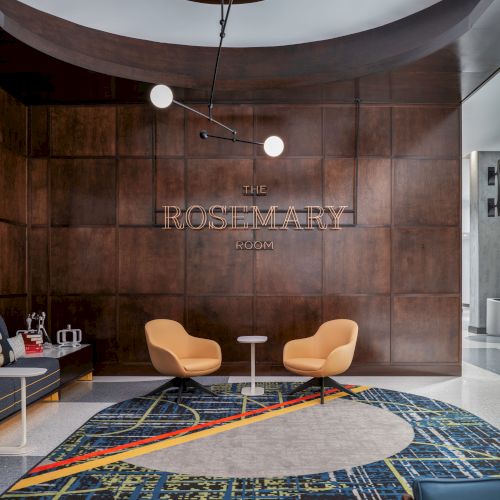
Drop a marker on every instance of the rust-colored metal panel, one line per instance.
(135, 131)
(426, 260)
(12, 259)
(214, 266)
(299, 126)
(358, 260)
(151, 260)
(83, 130)
(39, 131)
(294, 267)
(426, 329)
(83, 191)
(134, 312)
(170, 183)
(237, 117)
(426, 132)
(38, 259)
(339, 182)
(282, 319)
(426, 192)
(374, 131)
(95, 315)
(289, 182)
(13, 186)
(170, 132)
(215, 182)
(222, 319)
(135, 191)
(38, 169)
(374, 191)
(373, 315)
(340, 131)
(83, 260)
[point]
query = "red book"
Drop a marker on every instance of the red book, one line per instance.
(32, 343)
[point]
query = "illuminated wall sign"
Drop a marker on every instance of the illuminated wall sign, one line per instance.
(222, 217)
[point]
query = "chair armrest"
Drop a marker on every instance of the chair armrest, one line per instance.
(165, 361)
(340, 359)
(206, 348)
(298, 348)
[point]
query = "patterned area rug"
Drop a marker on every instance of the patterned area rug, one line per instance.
(91, 463)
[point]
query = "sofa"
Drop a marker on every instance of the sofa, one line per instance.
(487, 488)
(36, 387)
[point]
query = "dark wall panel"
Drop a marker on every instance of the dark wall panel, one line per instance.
(13, 212)
(12, 259)
(223, 319)
(13, 182)
(298, 317)
(424, 330)
(373, 315)
(83, 131)
(151, 261)
(39, 190)
(83, 260)
(105, 263)
(426, 131)
(426, 260)
(134, 312)
(83, 192)
(426, 192)
(358, 261)
(135, 197)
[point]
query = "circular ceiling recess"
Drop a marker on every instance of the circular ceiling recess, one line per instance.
(252, 23)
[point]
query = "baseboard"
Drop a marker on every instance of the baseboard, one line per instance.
(270, 369)
(480, 330)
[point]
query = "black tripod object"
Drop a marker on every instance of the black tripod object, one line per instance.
(323, 382)
(182, 385)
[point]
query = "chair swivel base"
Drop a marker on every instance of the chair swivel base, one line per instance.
(182, 385)
(323, 382)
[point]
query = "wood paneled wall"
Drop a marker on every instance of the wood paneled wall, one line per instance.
(13, 212)
(97, 261)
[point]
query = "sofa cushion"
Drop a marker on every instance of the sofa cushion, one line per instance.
(6, 353)
(17, 344)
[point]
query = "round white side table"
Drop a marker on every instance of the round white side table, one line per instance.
(252, 340)
(23, 374)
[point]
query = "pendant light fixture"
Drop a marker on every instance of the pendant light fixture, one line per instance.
(162, 97)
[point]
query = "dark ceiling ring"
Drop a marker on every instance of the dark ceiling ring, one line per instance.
(344, 58)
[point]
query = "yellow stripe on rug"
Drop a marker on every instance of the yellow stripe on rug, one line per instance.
(169, 442)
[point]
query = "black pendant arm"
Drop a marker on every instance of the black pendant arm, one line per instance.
(205, 135)
(223, 22)
(212, 120)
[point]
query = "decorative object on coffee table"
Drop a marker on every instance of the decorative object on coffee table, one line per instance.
(252, 340)
(76, 337)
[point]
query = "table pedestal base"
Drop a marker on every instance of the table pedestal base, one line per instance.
(249, 391)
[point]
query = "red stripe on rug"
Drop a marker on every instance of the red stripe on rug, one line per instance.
(159, 437)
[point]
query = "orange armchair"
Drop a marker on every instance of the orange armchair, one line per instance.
(175, 353)
(327, 353)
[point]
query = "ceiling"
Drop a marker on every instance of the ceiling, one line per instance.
(279, 22)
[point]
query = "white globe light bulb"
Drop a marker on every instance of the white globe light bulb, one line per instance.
(274, 146)
(161, 96)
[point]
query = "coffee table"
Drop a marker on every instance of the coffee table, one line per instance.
(252, 340)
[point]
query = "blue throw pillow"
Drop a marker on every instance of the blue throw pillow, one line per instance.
(6, 353)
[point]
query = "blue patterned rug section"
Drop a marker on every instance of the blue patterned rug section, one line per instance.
(449, 443)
